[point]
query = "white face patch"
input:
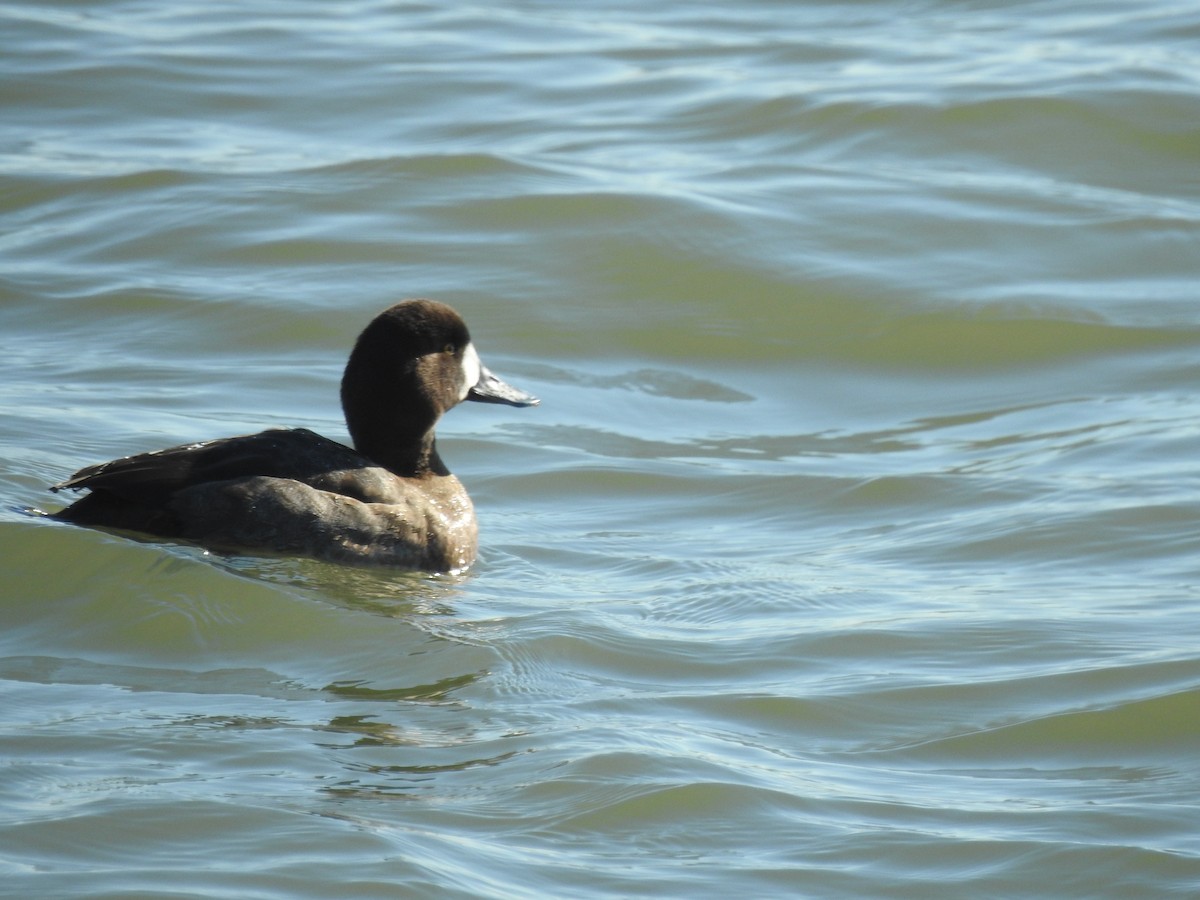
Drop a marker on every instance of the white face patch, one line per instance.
(472, 369)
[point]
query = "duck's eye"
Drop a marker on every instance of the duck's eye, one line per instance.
(449, 348)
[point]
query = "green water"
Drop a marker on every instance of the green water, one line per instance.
(851, 553)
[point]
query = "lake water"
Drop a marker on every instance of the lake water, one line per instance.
(853, 552)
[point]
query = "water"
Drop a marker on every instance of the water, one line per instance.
(852, 552)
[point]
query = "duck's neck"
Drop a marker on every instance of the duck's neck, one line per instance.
(406, 454)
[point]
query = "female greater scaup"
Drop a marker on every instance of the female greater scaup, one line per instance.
(390, 501)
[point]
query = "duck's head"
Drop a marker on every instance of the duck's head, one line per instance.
(414, 361)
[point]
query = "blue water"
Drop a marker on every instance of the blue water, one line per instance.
(851, 553)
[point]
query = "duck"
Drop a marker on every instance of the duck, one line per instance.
(388, 500)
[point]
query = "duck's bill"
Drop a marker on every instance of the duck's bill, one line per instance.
(490, 389)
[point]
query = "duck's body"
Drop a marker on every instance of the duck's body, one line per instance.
(286, 491)
(390, 501)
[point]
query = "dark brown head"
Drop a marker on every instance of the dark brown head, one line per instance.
(414, 361)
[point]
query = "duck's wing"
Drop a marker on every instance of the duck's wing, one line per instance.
(285, 491)
(151, 478)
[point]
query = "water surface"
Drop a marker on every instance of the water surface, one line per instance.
(852, 552)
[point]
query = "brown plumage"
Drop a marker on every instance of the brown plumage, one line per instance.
(389, 501)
